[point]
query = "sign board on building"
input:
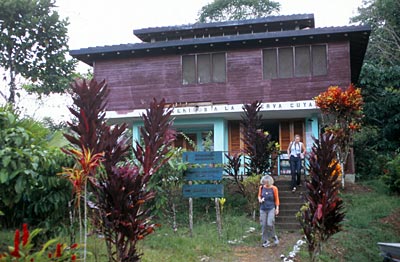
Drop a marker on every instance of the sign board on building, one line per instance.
(223, 108)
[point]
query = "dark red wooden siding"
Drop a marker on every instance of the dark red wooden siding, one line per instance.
(134, 82)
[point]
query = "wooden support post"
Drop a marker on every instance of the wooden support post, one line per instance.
(191, 214)
(218, 211)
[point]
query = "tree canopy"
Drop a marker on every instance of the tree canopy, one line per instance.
(381, 72)
(384, 18)
(379, 138)
(223, 10)
(33, 45)
(381, 89)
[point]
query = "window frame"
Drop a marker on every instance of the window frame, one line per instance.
(326, 60)
(276, 63)
(293, 47)
(211, 69)
(310, 66)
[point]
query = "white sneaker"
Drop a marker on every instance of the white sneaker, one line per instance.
(276, 241)
(294, 189)
(266, 244)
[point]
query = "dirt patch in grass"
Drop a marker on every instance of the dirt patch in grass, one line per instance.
(356, 188)
(259, 253)
(393, 220)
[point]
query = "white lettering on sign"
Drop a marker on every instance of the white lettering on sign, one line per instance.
(212, 109)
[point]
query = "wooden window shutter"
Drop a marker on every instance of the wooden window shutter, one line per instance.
(284, 135)
(234, 137)
(298, 128)
(287, 130)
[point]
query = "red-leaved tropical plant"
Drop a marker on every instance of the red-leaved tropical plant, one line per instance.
(323, 213)
(121, 192)
(232, 168)
(258, 147)
(24, 249)
(88, 109)
(119, 189)
(342, 115)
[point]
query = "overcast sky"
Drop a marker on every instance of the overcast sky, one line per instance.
(109, 22)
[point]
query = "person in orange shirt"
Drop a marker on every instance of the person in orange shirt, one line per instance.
(268, 197)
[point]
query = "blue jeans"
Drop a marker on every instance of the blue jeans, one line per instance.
(295, 170)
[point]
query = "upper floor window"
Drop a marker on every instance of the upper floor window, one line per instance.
(295, 61)
(204, 68)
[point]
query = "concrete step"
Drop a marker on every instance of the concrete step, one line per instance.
(287, 183)
(286, 219)
(288, 187)
(288, 226)
(290, 206)
(288, 212)
(290, 197)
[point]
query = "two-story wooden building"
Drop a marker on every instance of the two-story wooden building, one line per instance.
(209, 70)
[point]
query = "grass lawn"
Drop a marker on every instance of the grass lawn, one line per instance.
(166, 245)
(371, 216)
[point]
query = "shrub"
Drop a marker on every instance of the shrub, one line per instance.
(167, 183)
(392, 175)
(30, 191)
(369, 160)
(251, 185)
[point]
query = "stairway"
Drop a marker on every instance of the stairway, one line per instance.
(290, 204)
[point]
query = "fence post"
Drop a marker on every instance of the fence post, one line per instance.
(191, 214)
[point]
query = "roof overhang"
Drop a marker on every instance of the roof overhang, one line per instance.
(264, 24)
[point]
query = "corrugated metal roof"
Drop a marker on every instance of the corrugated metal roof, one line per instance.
(268, 19)
(271, 23)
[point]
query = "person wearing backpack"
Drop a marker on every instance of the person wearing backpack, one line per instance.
(296, 152)
(268, 197)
